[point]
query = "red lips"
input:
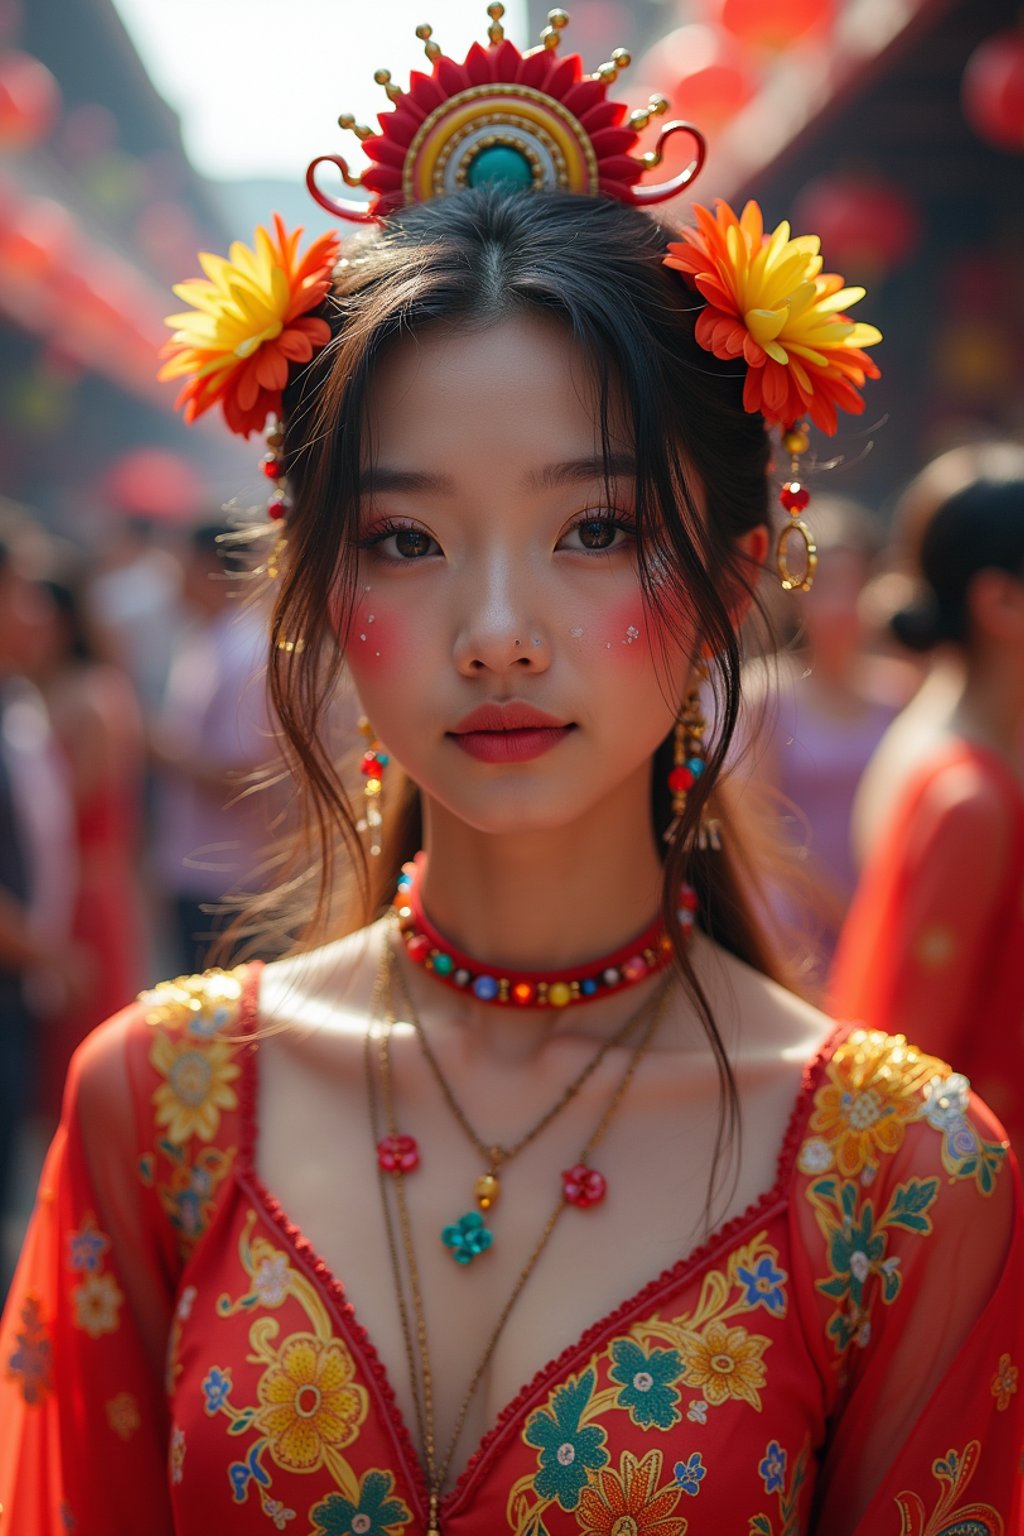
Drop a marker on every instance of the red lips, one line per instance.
(509, 733)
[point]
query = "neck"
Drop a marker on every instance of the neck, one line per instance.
(544, 899)
(989, 707)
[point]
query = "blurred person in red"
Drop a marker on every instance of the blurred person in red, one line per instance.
(933, 943)
(211, 734)
(817, 712)
(98, 726)
(41, 971)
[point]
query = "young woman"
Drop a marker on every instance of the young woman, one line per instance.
(933, 940)
(540, 1159)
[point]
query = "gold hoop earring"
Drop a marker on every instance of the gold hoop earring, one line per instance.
(795, 498)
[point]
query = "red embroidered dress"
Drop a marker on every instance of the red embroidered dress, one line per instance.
(175, 1359)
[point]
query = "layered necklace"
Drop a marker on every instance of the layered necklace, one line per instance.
(398, 1156)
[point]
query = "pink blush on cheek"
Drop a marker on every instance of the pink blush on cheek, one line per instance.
(376, 641)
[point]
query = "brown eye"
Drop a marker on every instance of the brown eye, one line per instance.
(410, 543)
(597, 533)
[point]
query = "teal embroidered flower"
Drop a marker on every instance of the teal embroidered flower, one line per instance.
(690, 1474)
(773, 1467)
(647, 1383)
(567, 1450)
(87, 1247)
(467, 1237)
(376, 1514)
(216, 1389)
(764, 1286)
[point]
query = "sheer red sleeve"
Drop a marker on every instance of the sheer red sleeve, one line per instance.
(911, 1226)
(922, 919)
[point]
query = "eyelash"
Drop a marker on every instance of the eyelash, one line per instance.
(392, 526)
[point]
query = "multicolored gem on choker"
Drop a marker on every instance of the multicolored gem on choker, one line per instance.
(647, 954)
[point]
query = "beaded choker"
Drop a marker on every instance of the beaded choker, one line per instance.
(644, 956)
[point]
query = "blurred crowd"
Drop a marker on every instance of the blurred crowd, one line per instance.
(881, 748)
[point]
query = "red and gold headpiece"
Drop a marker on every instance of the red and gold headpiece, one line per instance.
(532, 120)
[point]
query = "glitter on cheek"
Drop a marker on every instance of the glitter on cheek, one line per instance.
(577, 633)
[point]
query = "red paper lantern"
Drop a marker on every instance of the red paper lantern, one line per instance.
(867, 226)
(705, 75)
(992, 91)
(29, 101)
(775, 24)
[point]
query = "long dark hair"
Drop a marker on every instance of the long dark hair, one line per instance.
(594, 265)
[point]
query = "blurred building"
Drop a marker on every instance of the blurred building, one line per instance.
(99, 212)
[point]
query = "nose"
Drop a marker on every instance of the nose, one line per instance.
(500, 632)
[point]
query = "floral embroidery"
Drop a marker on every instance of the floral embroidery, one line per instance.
(308, 1403)
(646, 1379)
(955, 1470)
(772, 1471)
(177, 1454)
(725, 1362)
(205, 1005)
(186, 1301)
(31, 1363)
(243, 1474)
(199, 1074)
(123, 1415)
(857, 1248)
(188, 1195)
(690, 1474)
(87, 1246)
(697, 1413)
(270, 1282)
(764, 1285)
(275, 1510)
(216, 1389)
(567, 1448)
(375, 1512)
(872, 1093)
(1004, 1383)
(97, 1303)
(965, 1155)
(629, 1502)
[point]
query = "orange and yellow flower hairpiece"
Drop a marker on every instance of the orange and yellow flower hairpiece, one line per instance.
(769, 302)
(250, 320)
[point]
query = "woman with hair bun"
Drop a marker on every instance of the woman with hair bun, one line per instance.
(934, 941)
(522, 1196)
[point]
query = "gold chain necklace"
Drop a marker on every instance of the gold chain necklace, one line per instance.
(420, 1372)
(582, 1185)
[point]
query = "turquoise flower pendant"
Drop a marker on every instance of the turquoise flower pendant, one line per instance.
(467, 1237)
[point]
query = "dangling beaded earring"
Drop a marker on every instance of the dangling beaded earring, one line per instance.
(372, 767)
(688, 763)
(795, 497)
(278, 505)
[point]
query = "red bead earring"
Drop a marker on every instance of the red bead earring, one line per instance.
(795, 498)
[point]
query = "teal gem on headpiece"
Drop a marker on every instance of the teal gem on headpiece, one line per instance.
(500, 163)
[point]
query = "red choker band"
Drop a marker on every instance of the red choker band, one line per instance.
(644, 956)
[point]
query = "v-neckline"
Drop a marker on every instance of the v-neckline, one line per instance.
(671, 1278)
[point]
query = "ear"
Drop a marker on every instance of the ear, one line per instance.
(752, 548)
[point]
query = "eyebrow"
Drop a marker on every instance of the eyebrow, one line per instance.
(381, 479)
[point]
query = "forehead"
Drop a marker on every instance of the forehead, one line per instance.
(522, 388)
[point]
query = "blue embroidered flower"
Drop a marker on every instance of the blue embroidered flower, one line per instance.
(467, 1237)
(242, 1473)
(764, 1285)
(376, 1514)
(567, 1450)
(690, 1474)
(86, 1248)
(216, 1388)
(646, 1381)
(773, 1468)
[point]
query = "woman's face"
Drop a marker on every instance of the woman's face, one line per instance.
(497, 575)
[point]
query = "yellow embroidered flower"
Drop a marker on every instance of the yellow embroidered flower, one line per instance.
(769, 302)
(204, 1004)
(874, 1088)
(123, 1415)
(199, 1076)
(627, 1502)
(1004, 1383)
(308, 1402)
(97, 1305)
(725, 1362)
(250, 319)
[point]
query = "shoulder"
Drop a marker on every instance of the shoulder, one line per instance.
(328, 989)
(966, 790)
